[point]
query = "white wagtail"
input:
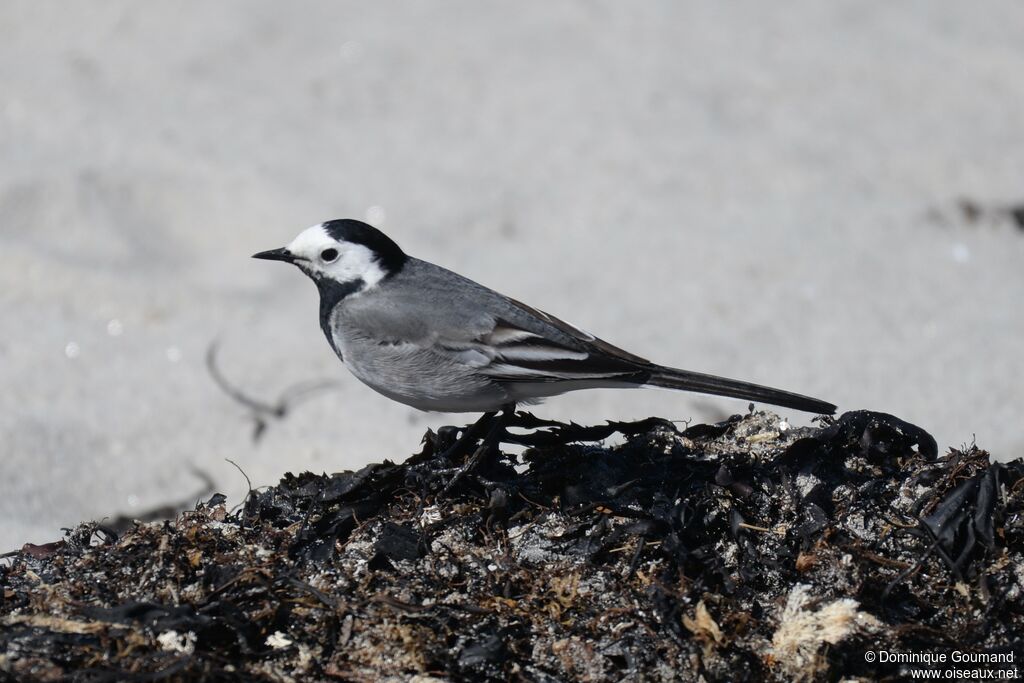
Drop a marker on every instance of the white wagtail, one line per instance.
(432, 339)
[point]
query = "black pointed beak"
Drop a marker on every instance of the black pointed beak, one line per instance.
(281, 254)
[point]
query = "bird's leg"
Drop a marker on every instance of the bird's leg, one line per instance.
(497, 430)
(469, 436)
(493, 438)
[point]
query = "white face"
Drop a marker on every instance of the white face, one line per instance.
(320, 255)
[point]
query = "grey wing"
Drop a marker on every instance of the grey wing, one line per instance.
(525, 344)
(496, 336)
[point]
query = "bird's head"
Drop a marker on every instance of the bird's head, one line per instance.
(342, 251)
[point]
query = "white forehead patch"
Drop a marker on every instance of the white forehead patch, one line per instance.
(310, 242)
(353, 262)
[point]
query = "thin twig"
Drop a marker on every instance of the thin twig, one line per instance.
(263, 412)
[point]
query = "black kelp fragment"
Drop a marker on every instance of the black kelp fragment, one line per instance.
(673, 555)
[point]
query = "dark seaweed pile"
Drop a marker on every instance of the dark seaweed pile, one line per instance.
(744, 550)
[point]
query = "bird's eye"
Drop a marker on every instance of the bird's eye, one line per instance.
(328, 255)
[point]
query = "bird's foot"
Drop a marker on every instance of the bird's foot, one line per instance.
(491, 442)
(465, 443)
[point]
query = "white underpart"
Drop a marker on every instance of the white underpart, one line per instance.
(354, 262)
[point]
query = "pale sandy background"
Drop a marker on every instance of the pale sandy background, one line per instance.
(755, 189)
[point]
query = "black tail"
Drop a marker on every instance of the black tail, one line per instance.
(670, 378)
